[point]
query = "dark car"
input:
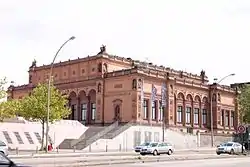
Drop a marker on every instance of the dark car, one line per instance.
(5, 161)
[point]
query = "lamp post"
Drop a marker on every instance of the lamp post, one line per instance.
(49, 85)
(211, 107)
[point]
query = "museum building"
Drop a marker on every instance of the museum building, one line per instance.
(106, 88)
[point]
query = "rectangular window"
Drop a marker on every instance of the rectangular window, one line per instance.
(232, 119)
(196, 116)
(222, 118)
(147, 136)
(156, 137)
(227, 118)
(145, 109)
(93, 111)
(137, 138)
(179, 114)
(84, 111)
(188, 115)
(153, 111)
(160, 112)
(204, 116)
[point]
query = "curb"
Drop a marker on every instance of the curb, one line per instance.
(139, 161)
(70, 155)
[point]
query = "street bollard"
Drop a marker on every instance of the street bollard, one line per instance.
(74, 149)
(89, 148)
(106, 148)
(36, 149)
(17, 151)
(120, 147)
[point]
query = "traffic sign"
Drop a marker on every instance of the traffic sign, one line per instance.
(241, 129)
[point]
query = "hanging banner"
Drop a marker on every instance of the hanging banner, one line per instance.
(164, 95)
(153, 94)
(142, 97)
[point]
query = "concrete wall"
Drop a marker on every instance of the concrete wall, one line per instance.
(126, 141)
(58, 132)
(205, 139)
(136, 135)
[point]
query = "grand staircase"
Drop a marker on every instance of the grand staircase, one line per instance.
(116, 131)
(91, 135)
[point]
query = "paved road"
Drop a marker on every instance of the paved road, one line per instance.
(232, 162)
(80, 159)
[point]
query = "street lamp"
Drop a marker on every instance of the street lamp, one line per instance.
(211, 107)
(49, 84)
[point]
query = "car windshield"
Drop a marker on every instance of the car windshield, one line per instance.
(153, 144)
(2, 143)
(229, 144)
(223, 144)
(145, 144)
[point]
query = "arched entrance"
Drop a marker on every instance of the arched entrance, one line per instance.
(83, 107)
(117, 113)
(73, 105)
(117, 110)
(91, 114)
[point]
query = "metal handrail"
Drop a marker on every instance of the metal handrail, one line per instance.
(109, 128)
(103, 132)
(122, 128)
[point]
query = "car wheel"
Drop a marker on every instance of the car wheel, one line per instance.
(155, 153)
(218, 153)
(170, 152)
(142, 154)
(231, 151)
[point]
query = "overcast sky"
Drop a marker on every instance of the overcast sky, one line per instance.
(188, 35)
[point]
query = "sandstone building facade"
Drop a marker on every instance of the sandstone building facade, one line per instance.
(106, 88)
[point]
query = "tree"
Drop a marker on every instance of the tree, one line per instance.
(34, 107)
(244, 103)
(9, 109)
(2, 91)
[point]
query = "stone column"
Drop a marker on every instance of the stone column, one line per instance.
(224, 119)
(192, 115)
(229, 119)
(184, 113)
(200, 116)
(88, 119)
(157, 110)
(69, 105)
(79, 109)
(149, 111)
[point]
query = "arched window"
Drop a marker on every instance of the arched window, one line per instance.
(99, 88)
(218, 97)
(134, 84)
(105, 68)
(214, 97)
(100, 67)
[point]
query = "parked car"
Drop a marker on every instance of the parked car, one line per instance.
(4, 148)
(229, 148)
(5, 161)
(143, 145)
(157, 148)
